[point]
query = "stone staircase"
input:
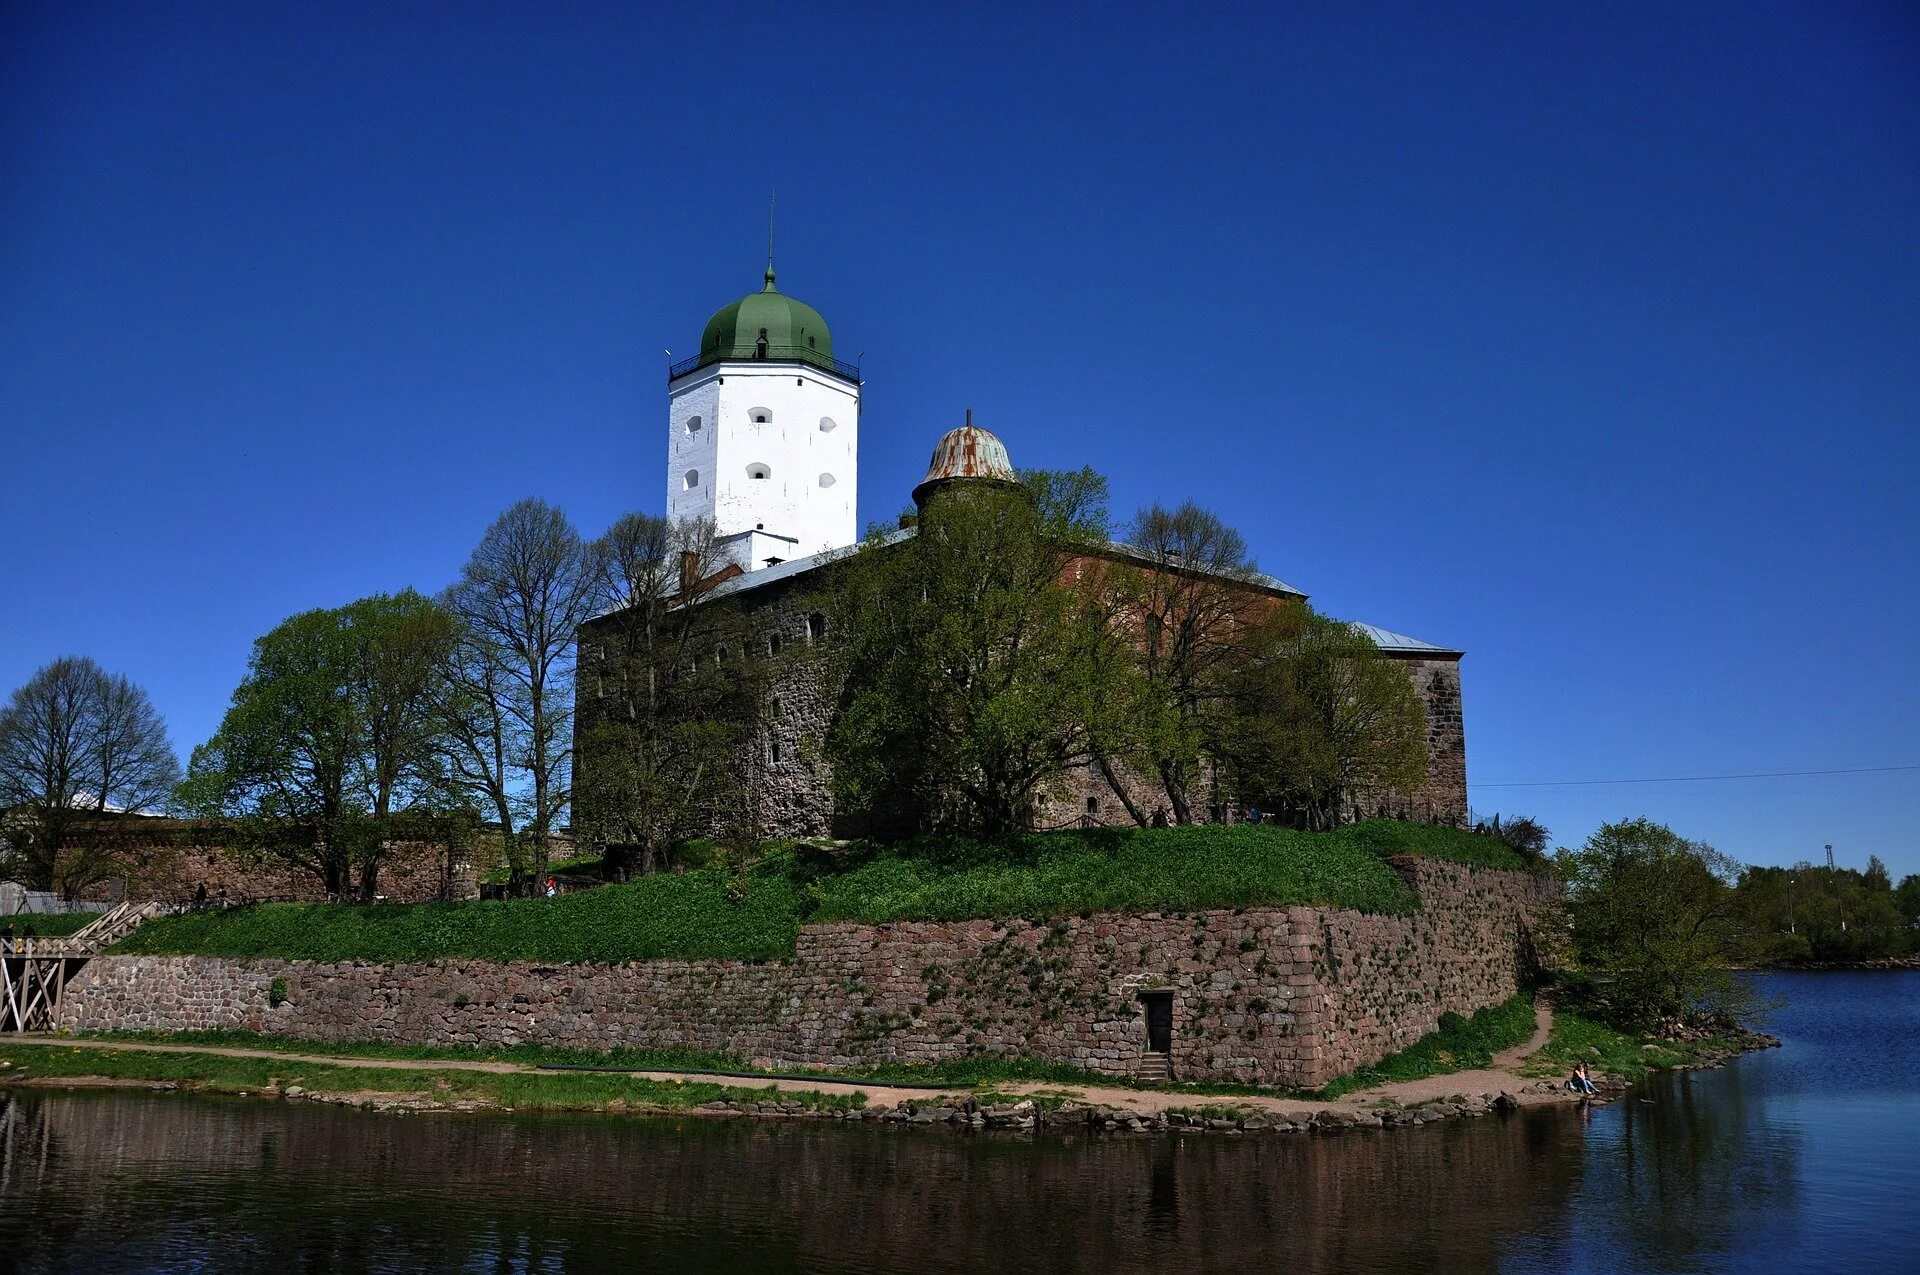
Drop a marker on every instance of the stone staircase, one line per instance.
(1152, 1069)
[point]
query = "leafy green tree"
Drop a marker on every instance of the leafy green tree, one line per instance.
(1317, 718)
(671, 720)
(77, 744)
(975, 672)
(521, 597)
(334, 730)
(1189, 606)
(1655, 916)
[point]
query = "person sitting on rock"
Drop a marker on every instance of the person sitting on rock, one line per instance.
(1581, 1081)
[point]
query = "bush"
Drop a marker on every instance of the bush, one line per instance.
(757, 913)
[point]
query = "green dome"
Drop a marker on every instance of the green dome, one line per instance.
(792, 330)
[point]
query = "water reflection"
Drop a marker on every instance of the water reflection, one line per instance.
(117, 1182)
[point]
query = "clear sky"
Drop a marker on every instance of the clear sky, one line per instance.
(1587, 341)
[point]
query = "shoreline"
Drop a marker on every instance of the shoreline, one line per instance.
(445, 1086)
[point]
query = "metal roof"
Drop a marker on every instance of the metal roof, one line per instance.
(748, 581)
(1388, 640)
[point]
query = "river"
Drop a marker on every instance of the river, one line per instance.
(1805, 1158)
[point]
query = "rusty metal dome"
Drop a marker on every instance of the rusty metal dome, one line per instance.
(965, 454)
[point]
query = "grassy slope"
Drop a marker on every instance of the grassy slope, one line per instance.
(756, 915)
(1609, 1051)
(1459, 1045)
(50, 924)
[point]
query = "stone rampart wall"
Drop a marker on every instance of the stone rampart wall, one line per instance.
(1277, 996)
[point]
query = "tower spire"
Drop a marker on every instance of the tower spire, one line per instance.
(771, 197)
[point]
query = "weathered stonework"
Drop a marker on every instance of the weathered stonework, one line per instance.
(791, 778)
(1273, 996)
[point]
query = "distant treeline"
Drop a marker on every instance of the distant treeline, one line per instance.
(1814, 913)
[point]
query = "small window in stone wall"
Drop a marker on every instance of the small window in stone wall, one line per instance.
(773, 750)
(1093, 805)
(693, 424)
(816, 627)
(773, 644)
(692, 479)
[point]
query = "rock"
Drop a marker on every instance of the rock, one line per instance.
(293, 1091)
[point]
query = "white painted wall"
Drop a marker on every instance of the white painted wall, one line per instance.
(790, 447)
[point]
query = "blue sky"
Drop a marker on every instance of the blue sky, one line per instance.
(1586, 340)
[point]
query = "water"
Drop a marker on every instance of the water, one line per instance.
(1805, 1158)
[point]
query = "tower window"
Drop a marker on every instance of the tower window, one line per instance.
(773, 750)
(827, 480)
(757, 470)
(773, 644)
(816, 627)
(827, 425)
(1093, 805)
(692, 479)
(760, 416)
(693, 424)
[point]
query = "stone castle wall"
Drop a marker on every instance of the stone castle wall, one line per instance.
(1274, 996)
(791, 778)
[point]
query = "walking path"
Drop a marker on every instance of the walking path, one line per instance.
(1488, 1082)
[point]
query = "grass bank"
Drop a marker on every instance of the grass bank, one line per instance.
(756, 913)
(1460, 1044)
(50, 925)
(1610, 1051)
(521, 1091)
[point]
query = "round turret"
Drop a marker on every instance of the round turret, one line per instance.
(966, 455)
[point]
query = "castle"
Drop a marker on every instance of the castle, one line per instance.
(763, 428)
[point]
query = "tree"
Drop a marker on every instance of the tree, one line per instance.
(661, 752)
(1522, 834)
(1316, 718)
(974, 672)
(333, 731)
(76, 744)
(529, 585)
(1189, 608)
(1655, 915)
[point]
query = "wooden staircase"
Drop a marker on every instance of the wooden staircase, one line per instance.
(34, 972)
(112, 925)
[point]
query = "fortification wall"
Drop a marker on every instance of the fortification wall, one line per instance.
(1274, 996)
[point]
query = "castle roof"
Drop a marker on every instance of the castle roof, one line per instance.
(791, 328)
(967, 454)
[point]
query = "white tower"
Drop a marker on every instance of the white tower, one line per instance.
(763, 424)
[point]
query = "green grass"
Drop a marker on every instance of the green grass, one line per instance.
(586, 863)
(50, 925)
(686, 915)
(545, 1091)
(757, 913)
(1459, 1045)
(1607, 1050)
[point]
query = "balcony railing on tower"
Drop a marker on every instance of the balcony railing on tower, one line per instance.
(768, 354)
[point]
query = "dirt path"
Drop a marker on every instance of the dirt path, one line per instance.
(1486, 1082)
